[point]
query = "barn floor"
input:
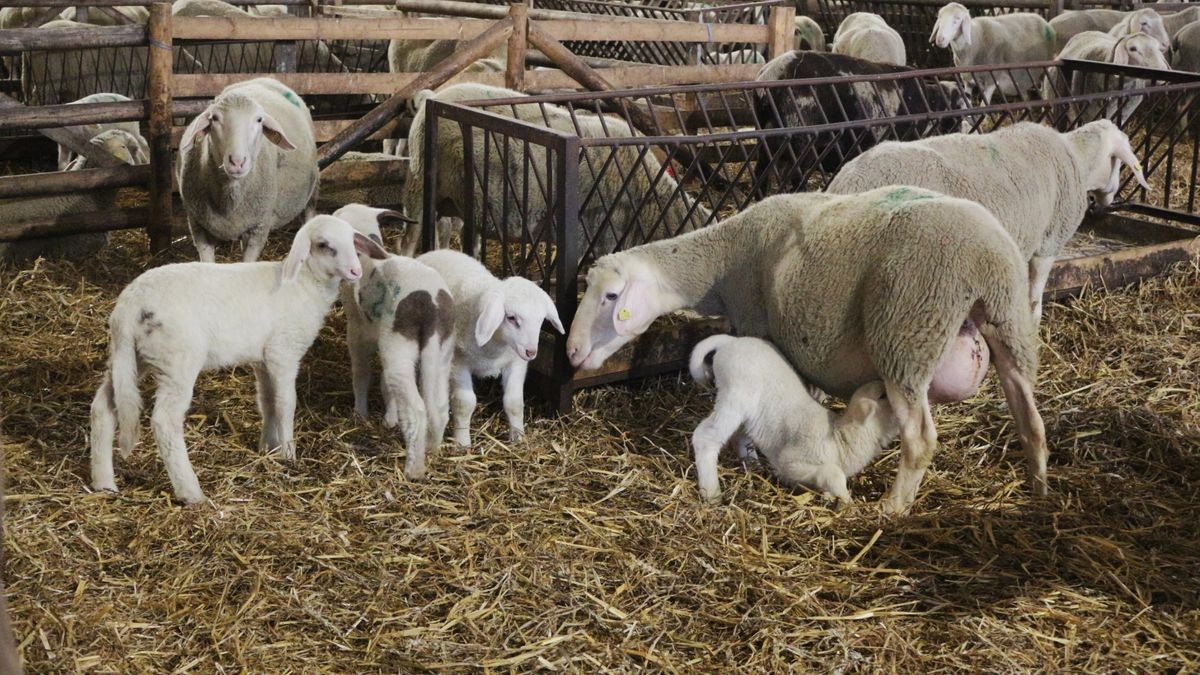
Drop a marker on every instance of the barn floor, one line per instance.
(585, 548)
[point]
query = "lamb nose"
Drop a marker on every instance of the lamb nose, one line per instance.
(531, 353)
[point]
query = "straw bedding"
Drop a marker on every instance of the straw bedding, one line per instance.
(585, 548)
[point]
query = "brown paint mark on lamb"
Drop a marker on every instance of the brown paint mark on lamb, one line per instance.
(419, 318)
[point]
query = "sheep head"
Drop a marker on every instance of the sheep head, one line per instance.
(513, 313)
(953, 23)
(235, 126)
(329, 247)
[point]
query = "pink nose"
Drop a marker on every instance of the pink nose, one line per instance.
(530, 353)
(355, 272)
(237, 163)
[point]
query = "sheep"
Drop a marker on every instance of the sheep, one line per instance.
(761, 400)
(59, 77)
(1145, 21)
(1185, 50)
(995, 40)
(898, 284)
(132, 14)
(418, 56)
(235, 186)
(1034, 179)
(784, 107)
(740, 56)
(610, 204)
(333, 197)
(1174, 22)
(809, 35)
(404, 311)
(1138, 49)
(250, 57)
(135, 149)
(184, 318)
(1070, 23)
(497, 328)
(867, 36)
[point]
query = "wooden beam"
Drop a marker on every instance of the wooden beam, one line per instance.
(158, 89)
(72, 139)
(518, 45)
(65, 182)
(467, 54)
(325, 28)
(652, 30)
(69, 115)
(346, 175)
(781, 28)
(115, 15)
(76, 223)
(17, 40)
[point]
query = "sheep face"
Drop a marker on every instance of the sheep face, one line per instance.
(122, 145)
(1150, 22)
(329, 247)
(513, 314)
(953, 22)
(235, 126)
(621, 301)
(1109, 148)
(1140, 49)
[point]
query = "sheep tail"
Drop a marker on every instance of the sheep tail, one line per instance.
(700, 364)
(123, 367)
(1011, 322)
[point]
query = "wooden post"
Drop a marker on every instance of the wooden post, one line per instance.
(470, 52)
(159, 92)
(514, 74)
(782, 22)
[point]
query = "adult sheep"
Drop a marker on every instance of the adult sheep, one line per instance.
(1145, 21)
(1138, 49)
(792, 157)
(995, 40)
(236, 186)
(867, 36)
(620, 187)
(1035, 180)
(896, 284)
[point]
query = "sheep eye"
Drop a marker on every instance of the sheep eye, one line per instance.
(259, 120)
(610, 296)
(514, 320)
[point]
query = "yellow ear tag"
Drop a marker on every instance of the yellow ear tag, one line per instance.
(624, 314)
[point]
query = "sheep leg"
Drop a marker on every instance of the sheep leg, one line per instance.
(435, 390)
(464, 401)
(710, 436)
(1018, 392)
(405, 409)
(1039, 273)
(103, 426)
(205, 250)
(256, 240)
(826, 478)
(171, 403)
(268, 440)
(362, 351)
(918, 443)
(513, 378)
(283, 386)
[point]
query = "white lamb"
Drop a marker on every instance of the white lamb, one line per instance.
(761, 400)
(995, 40)
(1034, 179)
(867, 36)
(404, 311)
(178, 320)
(235, 186)
(498, 325)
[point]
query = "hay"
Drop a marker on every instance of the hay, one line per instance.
(586, 549)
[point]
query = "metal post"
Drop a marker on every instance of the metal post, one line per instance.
(429, 175)
(566, 292)
(159, 93)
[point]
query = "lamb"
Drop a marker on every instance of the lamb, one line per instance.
(867, 36)
(497, 325)
(761, 400)
(180, 319)
(792, 158)
(1145, 21)
(898, 284)
(235, 186)
(133, 148)
(404, 311)
(995, 40)
(809, 35)
(1034, 179)
(610, 205)
(1138, 49)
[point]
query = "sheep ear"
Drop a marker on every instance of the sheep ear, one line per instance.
(1121, 54)
(198, 129)
(490, 317)
(389, 218)
(274, 133)
(301, 249)
(142, 156)
(634, 311)
(552, 315)
(966, 30)
(1123, 152)
(369, 247)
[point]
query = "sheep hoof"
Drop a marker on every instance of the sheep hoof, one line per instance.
(105, 486)
(192, 500)
(463, 439)
(710, 498)
(414, 472)
(361, 412)
(894, 506)
(516, 435)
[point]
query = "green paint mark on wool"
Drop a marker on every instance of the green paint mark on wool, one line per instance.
(377, 297)
(901, 196)
(1048, 33)
(293, 99)
(994, 152)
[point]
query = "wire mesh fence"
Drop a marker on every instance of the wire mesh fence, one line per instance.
(548, 184)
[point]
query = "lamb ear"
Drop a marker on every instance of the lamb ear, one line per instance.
(552, 315)
(369, 247)
(197, 129)
(634, 310)
(274, 133)
(491, 316)
(301, 249)
(1124, 153)
(966, 30)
